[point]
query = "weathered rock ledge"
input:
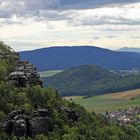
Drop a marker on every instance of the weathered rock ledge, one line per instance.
(19, 124)
(24, 74)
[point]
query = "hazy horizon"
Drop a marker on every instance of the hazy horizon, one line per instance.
(29, 25)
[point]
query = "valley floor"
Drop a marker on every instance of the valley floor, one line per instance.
(109, 102)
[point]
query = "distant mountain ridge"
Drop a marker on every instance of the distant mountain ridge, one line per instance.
(89, 80)
(61, 58)
(127, 49)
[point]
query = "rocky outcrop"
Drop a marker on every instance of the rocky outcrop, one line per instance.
(19, 124)
(72, 114)
(15, 124)
(24, 74)
(39, 125)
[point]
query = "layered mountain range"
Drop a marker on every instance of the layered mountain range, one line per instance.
(62, 58)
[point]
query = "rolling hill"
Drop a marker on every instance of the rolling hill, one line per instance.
(89, 80)
(62, 58)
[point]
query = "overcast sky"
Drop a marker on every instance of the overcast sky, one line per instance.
(31, 24)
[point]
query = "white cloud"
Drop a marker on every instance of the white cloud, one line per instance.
(28, 24)
(129, 14)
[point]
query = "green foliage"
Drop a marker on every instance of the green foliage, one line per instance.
(89, 80)
(3, 69)
(2, 116)
(7, 60)
(110, 102)
(89, 126)
(41, 137)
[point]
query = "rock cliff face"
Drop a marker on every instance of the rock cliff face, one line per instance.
(24, 74)
(40, 121)
(19, 124)
(21, 73)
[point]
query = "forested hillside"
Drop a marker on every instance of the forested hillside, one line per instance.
(62, 58)
(7, 60)
(36, 113)
(60, 125)
(89, 80)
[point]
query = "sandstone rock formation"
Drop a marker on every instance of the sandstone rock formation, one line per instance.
(19, 124)
(24, 74)
(16, 124)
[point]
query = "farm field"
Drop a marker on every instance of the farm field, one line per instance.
(49, 73)
(109, 102)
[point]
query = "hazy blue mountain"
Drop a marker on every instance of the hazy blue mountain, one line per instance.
(61, 58)
(90, 80)
(127, 49)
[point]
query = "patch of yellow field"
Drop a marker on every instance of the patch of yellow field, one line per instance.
(125, 95)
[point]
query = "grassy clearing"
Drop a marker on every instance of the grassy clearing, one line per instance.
(49, 73)
(110, 102)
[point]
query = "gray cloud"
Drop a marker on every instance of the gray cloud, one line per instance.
(112, 36)
(106, 20)
(136, 37)
(96, 37)
(53, 15)
(119, 30)
(86, 4)
(51, 10)
(27, 7)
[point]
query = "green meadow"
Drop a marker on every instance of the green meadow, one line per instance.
(109, 102)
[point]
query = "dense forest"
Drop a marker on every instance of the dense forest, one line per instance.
(89, 80)
(64, 120)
